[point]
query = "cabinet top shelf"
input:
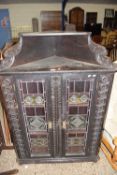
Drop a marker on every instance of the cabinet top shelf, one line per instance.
(55, 51)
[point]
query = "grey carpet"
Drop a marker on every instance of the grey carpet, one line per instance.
(102, 167)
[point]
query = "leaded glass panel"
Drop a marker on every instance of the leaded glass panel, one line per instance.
(77, 122)
(78, 105)
(34, 108)
(36, 123)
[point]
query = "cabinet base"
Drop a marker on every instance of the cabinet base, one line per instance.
(58, 160)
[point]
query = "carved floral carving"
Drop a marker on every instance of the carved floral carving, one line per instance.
(8, 58)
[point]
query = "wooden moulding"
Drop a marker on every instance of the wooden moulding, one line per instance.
(110, 154)
(114, 158)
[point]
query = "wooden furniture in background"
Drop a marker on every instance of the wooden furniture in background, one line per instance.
(109, 19)
(97, 39)
(76, 16)
(110, 153)
(91, 17)
(51, 20)
(110, 38)
(110, 42)
(108, 23)
(113, 53)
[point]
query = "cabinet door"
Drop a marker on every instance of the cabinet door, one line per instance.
(77, 99)
(27, 103)
(34, 104)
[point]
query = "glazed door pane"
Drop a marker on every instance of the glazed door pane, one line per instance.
(78, 92)
(33, 95)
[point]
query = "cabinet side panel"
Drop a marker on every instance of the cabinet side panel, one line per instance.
(9, 94)
(102, 93)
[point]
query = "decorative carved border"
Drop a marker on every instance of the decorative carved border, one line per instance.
(12, 108)
(103, 87)
(9, 55)
(100, 53)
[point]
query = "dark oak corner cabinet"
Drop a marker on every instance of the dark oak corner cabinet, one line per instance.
(55, 88)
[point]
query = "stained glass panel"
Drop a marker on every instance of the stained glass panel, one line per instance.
(77, 122)
(36, 123)
(33, 100)
(75, 141)
(39, 145)
(79, 94)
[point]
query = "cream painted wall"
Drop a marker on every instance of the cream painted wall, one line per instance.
(21, 14)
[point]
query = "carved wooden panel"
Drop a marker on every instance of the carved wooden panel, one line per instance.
(102, 88)
(8, 90)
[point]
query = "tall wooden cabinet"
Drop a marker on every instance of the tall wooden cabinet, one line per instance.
(51, 20)
(76, 16)
(56, 94)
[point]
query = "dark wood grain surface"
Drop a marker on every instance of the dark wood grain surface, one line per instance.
(51, 20)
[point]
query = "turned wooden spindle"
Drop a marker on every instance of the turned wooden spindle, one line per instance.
(114, 157)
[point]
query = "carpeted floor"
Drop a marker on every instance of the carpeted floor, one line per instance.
(102, 167)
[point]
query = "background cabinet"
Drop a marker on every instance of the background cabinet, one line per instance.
(76, 16)
(91, 18)
(51, 20)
